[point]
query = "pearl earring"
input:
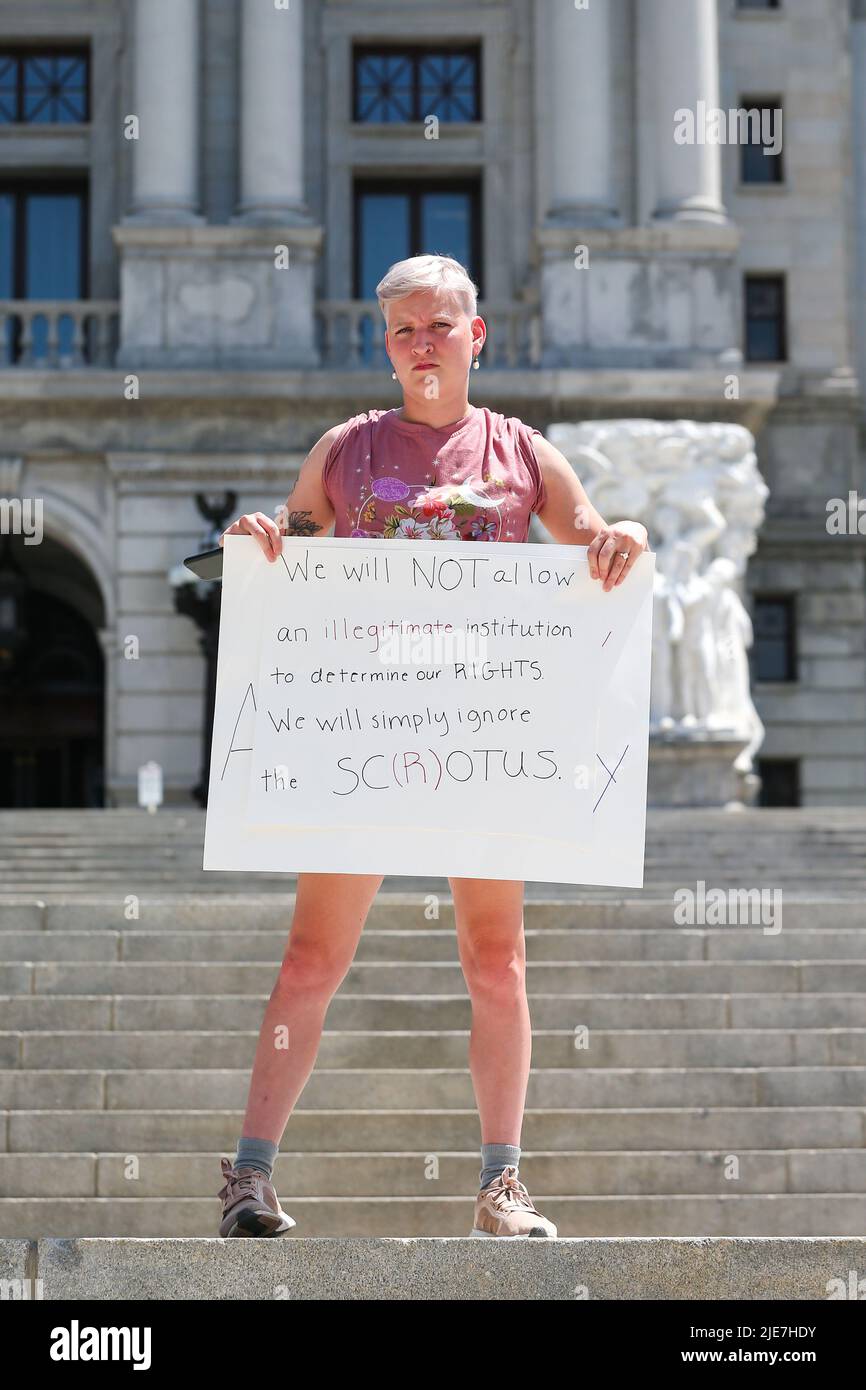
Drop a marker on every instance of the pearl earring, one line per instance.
(393, 376)
(475, 362)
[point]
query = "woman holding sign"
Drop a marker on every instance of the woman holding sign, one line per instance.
(437, 468)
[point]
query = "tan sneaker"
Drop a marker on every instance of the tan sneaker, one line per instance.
(504, 1208)
(251, 1206)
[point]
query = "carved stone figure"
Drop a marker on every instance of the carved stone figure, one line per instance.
(697, 489)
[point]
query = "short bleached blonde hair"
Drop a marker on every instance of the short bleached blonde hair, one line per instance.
(427, 273)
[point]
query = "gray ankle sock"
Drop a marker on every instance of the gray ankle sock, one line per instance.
(257, 1153)
(495, 1157)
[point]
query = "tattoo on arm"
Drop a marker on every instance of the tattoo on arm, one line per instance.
(300, 524)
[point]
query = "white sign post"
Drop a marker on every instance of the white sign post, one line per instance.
(150, 786)
(430, 709)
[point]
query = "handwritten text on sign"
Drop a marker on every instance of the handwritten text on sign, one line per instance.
(425, 687)
(426, 708)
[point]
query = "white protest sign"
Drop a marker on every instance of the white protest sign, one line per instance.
(430, 708)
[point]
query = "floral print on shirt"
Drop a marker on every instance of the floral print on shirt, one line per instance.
(454, 511)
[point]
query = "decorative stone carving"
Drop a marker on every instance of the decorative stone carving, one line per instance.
(697, 489)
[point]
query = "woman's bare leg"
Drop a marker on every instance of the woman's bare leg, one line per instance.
(490, 941)
(330, 911)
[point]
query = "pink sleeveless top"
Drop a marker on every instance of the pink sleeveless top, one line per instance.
(476, 480)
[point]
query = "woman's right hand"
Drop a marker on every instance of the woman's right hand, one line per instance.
(263, 527)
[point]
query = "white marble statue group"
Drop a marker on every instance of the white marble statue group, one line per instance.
(697, 489)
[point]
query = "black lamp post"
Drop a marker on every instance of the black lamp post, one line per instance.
(199, 599)
(14, 634)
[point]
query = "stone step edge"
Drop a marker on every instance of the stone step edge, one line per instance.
(68, 896)
(189, 1034)
(826, 962)
(533, 966)
(343, 1164)
(821, 1068)
(393, 897)
(526, 1155)
(615, 1268)
(277, 936)
(698, 1155)
(570, 1112)
(71, 893)
(409, 998)
(450, 1199)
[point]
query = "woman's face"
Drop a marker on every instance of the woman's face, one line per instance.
(429, 340)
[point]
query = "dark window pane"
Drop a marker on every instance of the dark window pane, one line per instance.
(384, 233)
(7, 272)
(764, 298)
(447, 84)
(53, 230)
(755, 165)
(758, 167)
(765, 319)
(384, 238)
(385, 86)
(446, 226)
(780, 781)
(412, 84)
(8, 88)
(757, 4)
(773, 650)
(7, 223)
(764, 342)
(55, 89)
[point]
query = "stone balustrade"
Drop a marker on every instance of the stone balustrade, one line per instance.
(58, 332)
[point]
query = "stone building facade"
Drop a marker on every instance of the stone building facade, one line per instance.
(196, 197)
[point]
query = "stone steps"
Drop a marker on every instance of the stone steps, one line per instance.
(751, 1215)
(601, 1269)
(429, 1088)
(29, 1013)
(391, 911)
(418, 945)
(442, 977)
(438, 1131)
(621, 1048)
(65, 854)
(848, 888)
(663, 1053)
(571, 1173)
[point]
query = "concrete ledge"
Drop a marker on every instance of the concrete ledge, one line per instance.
(392, 910)
(388, 1268)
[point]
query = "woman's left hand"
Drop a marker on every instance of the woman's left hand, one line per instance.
(605, 556)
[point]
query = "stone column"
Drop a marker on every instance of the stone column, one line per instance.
(165, 100)
(576, 88)
(272, 114)
(219, 296)
(679, 50)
